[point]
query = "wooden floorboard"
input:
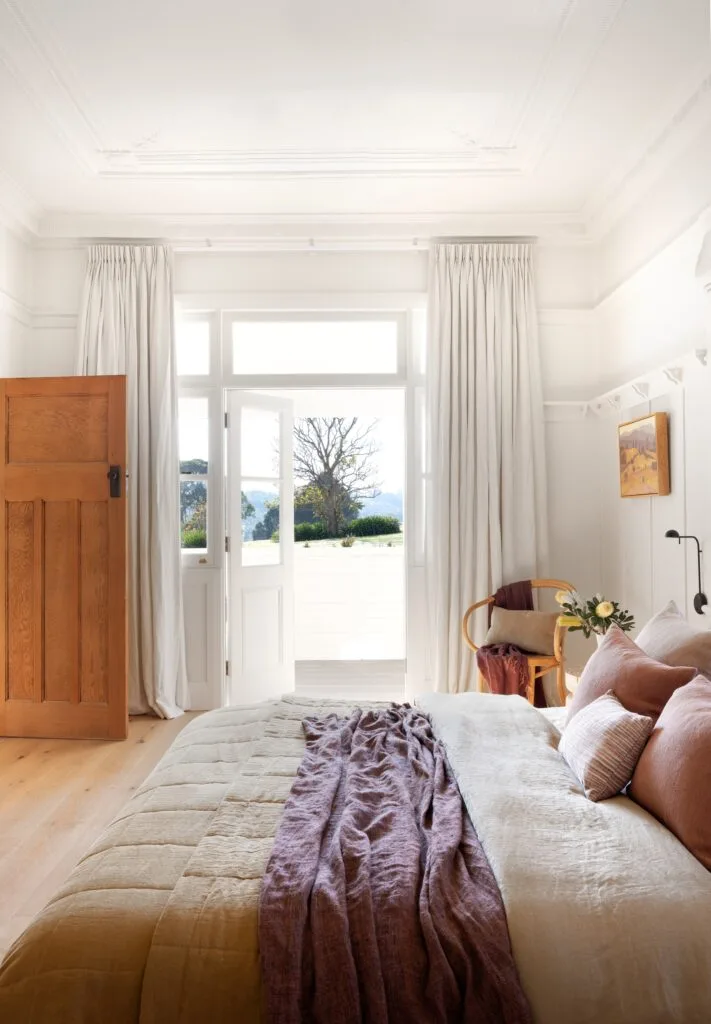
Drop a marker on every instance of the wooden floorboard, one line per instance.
(56, 798)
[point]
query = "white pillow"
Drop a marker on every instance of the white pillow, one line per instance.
(669, 638)
(603, 744)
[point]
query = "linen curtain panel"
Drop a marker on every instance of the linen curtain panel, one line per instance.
(126, 327)
(487, 502)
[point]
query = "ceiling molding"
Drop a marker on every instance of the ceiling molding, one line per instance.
(18, 211)
(34, 59)
(228, 164)
(16, 310)
(573, 50)
(302, 232)
(608, 206)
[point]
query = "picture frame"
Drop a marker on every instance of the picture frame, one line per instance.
(643, 452)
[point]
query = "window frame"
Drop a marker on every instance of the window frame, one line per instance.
(290, 380)
(215, 458)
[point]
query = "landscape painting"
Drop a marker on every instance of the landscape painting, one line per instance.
(644, 456)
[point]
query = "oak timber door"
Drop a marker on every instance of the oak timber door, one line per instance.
(63, 557)
(261, 571)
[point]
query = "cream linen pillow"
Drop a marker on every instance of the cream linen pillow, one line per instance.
(668, 637)
(602, 745)
(531, 631)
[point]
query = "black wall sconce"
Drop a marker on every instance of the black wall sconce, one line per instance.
(700, 600)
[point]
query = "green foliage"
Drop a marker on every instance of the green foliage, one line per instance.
(267, 527)
(194, 539)
(585, 609)
(248, 509)
(374, 526)
(310, 531)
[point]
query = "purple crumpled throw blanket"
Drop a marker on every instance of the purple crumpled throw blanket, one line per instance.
(378, 903)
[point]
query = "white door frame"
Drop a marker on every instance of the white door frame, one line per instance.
(220, 309)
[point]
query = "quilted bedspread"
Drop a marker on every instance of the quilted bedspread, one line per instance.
(609, 915)
(158, 923)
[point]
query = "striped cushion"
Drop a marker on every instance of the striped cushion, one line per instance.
(602, 745)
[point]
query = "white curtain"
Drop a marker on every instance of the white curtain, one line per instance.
(126, 327)
(487, 507)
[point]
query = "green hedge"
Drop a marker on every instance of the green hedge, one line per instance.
(194, 539)
(310, 531)
(373, 526)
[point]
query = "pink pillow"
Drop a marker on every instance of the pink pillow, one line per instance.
(672, 779)
(640, 683)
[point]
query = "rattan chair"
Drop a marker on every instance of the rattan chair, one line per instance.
(538, 664)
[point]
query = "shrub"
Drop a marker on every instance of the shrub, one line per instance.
(310, 531)
(348, 542)
(374, 526)
(194, 539)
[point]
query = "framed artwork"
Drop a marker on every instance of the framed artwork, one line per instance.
(643, 446)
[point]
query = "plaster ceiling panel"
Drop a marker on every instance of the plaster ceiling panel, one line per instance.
(229, 107)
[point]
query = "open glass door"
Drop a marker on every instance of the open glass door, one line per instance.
(261, 556)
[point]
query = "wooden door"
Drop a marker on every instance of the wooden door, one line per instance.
(63, 557)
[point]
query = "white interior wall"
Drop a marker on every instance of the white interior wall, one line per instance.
(15, 301)
(656, 314)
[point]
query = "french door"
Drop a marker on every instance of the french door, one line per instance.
(260, 562)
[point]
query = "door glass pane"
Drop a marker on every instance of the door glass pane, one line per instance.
(260, 523)
(193, 434)
(193, 514)
(316, 347)
(192, 347)
(260, 443)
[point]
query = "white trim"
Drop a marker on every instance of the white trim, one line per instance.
(655, 382)
(301, 301)
(16, 310)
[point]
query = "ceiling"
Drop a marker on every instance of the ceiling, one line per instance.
(230, 110)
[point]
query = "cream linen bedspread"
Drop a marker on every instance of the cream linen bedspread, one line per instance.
(610, 917)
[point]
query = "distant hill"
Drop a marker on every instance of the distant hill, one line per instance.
(386, 504)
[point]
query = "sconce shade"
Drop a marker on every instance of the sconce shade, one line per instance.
(672, 533)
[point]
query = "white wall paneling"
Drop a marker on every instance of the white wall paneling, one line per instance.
(655, 317)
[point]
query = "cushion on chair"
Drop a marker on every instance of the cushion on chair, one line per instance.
(602, 745)
(668, 637)
(531, 631)
(639, 682)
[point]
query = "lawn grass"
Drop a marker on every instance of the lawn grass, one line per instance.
(393, 540)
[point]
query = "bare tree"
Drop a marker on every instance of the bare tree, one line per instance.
(333, 457)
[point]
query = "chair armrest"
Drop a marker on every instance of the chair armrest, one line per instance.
(467, 616)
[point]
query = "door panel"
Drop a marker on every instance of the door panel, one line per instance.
(62, 558)
(261, 575)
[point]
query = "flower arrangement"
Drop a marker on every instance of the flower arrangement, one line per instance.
(593, 615)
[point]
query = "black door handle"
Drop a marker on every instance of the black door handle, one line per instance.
(114, 475)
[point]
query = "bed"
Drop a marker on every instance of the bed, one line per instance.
(609, 916)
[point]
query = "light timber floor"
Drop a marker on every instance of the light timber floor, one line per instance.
(56, 797)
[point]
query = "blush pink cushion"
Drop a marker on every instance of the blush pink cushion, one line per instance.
(639, 682)
(672, 779)
(602, 745)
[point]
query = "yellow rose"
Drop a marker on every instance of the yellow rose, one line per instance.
(569, 620)
(562, 596)
(604, 610)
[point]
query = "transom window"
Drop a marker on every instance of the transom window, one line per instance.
(314, 347)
